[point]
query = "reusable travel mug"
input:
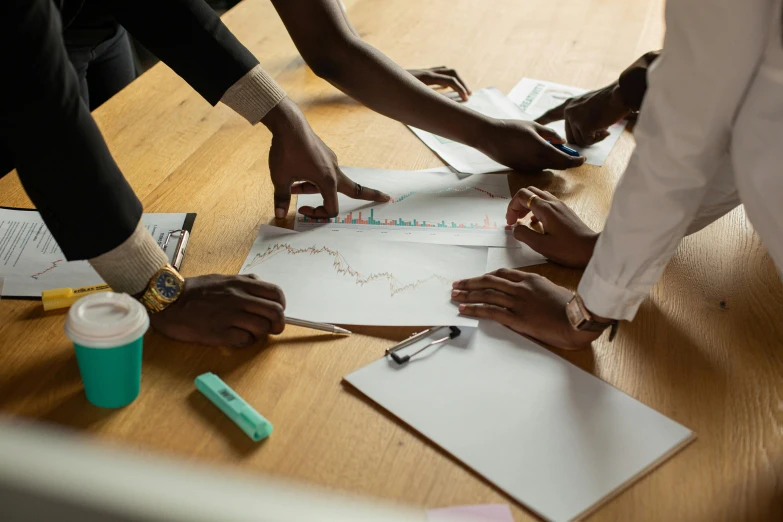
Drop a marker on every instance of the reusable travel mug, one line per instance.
(107, 330)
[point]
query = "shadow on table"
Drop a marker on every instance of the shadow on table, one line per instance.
(337, 99)
(76, 412)
(191, 360)
(545, 180)
(761, 501)
(51, 391)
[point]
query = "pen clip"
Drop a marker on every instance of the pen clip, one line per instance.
(402, 359)
(179, 251)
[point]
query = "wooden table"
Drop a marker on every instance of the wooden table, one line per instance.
(705, 349)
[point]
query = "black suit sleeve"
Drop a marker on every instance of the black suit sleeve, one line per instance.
(190, 38)
(60, 156)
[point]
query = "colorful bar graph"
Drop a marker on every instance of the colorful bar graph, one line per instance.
(349, 219)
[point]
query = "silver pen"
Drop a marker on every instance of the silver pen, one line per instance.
(317, 326)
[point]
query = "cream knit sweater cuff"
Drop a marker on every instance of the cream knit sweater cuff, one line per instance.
(129, 267)
(253, 95)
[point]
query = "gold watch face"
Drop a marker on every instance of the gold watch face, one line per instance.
(167, 285)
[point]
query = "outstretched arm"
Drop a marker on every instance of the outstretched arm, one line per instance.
(334, 51)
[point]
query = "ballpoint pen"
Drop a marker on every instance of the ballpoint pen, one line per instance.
(317, 326)
(563, 148)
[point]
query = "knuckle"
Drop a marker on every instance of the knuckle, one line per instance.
(278, 313)
(242, 340)
(275, 290)
(234, 293)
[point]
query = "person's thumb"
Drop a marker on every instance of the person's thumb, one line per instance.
(548, 134)
(530, 237)
(555, 114)
(282, 199)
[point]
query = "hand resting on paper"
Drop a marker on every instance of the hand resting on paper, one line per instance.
(566, 239)
(589, 116)
(444, 77)
(223, 310)
(529, 304)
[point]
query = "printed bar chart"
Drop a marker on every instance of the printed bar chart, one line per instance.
(350, 219)
(426, 207)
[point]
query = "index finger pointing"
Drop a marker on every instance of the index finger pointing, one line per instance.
(357, 191)
(555, 114)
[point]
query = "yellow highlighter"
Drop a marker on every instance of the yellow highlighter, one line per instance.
(65, 297)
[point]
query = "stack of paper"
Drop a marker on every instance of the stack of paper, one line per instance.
(528, 100)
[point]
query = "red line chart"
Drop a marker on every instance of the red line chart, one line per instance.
(42, 272)
(447, 190)
(341, 266)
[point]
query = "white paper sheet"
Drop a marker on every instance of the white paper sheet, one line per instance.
(552, 436)
(439, 207)
(490, 102)
(31, 261)
(535, 97)
(518, 257)
(361, 281)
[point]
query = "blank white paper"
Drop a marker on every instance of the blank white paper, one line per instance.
(518, 257)
(552, 436)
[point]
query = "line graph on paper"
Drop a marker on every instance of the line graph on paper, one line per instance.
(52, 266)
(342, 267)
(432, 207)
(349, 281)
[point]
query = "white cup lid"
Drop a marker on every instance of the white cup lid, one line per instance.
(106, 320)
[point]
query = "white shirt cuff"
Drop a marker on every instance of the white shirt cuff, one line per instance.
(254, 95)
(607, 300)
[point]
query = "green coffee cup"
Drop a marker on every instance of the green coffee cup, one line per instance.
(107, 330)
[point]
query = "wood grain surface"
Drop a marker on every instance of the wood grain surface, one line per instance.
(705, 349)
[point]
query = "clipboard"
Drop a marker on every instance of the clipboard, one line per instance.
(173, 242)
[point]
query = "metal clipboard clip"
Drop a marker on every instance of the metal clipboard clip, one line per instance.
(402, 359)
(179, 251)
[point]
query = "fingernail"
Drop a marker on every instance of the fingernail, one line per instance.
(455, 284)
(462, 308)
(454, 293)
(280, 213)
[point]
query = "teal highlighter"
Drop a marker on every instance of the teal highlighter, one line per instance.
(245, 416)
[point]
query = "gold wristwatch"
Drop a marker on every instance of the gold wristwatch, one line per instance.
(581, 318)
(163, 290)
